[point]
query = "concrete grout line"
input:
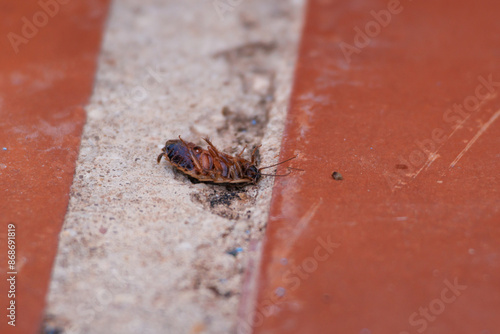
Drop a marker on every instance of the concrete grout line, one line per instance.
(142, 248)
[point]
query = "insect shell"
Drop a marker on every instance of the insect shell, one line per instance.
(210, 165)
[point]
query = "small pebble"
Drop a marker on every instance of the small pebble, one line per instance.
(49, 330)
(235, 251)
(337, 176)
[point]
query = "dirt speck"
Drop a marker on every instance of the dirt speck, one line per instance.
(221, 201)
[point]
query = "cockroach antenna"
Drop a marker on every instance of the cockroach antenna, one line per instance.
(289, 171)
(279, 163)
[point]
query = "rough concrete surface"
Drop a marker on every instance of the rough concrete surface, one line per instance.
(143, 249)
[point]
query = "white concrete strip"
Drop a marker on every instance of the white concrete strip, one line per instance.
(143, 249)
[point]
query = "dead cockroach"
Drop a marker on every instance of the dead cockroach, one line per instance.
(211, 165)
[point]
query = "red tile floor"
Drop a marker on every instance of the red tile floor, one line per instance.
(402, 99)
(46, 78)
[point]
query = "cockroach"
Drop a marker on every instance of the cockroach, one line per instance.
(211, 165)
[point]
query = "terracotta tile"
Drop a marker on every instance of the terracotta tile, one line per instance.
(47, 67)
(407, 242)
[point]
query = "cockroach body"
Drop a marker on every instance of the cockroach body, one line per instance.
(211, 165)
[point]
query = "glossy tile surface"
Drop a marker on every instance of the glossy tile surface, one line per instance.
(401, 98)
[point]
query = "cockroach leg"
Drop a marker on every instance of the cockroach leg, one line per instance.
(238, 170)
(196, 161)
(243, 150)
(214, 152)
(253, 154)
(193, 157)
(183, 142)
(211, 145)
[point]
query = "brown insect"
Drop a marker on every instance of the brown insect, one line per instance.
(211, 165)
